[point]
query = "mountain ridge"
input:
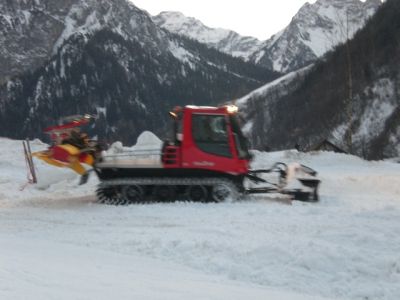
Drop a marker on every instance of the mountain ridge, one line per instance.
(314, 30)
(225, 40)
(320, 104)
(110, 59)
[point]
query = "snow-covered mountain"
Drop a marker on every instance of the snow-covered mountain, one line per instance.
(33, 31)
(224, 40)
(315, 103)
(314, 30)
(108, 58)
(256, 107)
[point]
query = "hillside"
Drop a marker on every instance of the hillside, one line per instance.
(318, 108)
(313, 31)
(109, 59)
(316, 29)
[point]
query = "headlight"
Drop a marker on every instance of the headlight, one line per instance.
(232, 109)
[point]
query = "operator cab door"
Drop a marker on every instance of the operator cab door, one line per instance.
(210, 134)
(209, 143)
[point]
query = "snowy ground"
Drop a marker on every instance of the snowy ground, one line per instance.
(57, 243)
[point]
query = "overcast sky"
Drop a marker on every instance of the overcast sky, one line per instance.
(258, 18)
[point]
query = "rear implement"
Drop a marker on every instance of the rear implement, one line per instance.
(70, 147)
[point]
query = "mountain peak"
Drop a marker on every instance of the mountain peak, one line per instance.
(224, 40)
(313, 31)
(41, 27)
(107, 58)
(175, 19)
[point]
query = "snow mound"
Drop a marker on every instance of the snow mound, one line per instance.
(147, 140)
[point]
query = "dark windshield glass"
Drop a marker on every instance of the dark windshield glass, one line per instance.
(240, 139)
(210, 134)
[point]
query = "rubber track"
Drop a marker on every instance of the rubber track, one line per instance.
(156, 182)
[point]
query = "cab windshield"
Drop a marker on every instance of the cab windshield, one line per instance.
(210, 133)
(240, 139)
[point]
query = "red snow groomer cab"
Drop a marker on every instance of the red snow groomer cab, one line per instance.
(207, 159)
(207, 138)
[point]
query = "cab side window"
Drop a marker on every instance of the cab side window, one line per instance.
(211, 135)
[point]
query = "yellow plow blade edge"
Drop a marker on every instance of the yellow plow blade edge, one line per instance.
(75, 165)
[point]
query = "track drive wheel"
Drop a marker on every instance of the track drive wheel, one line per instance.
(132, 194)
(197, 193)
(108, 195)
(224, 191)
(164, 193)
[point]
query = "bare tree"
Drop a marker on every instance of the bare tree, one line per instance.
(343, 36)
(349, 102)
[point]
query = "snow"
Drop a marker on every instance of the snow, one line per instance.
(57, 243)
(259, 56)
(101, 110)
(27, 15)
(8, 19)
(225, 40)
(182, 54)
(177, 22)
(145, 153)
(147, 140)
(144, 280)
(283, 80)
(320, 41)
(72, 26)
(379, 110)
(343, 20)
(314, 30)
